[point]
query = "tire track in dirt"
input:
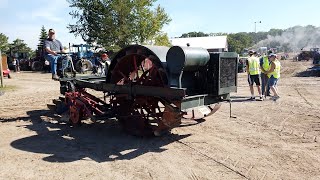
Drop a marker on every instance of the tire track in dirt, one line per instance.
(310, 104)
(310, 136)
(252, 165)
(235, 163)
(213, 159)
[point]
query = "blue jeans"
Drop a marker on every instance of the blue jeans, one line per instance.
(273, 81)
(53, 62)
(265, 88)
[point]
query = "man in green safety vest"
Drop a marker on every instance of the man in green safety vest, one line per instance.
(274, 75)
(253, 70)
(265, 66)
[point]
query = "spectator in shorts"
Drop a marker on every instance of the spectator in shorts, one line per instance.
(253, 70)
(14, 64)
(274, 75)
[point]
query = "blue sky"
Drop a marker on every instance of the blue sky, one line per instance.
(23, 18)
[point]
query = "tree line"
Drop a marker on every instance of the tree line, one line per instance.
(237, 42)
(115, 24)
(17, 45)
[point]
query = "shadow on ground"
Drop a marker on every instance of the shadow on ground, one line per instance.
(235, 99)
(104, 141)
(312, 72)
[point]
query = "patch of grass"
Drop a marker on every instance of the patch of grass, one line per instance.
(8, 88)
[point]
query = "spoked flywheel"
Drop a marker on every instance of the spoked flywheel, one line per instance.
(143, 115)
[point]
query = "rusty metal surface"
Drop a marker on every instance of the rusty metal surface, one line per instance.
(170, 93)
(157, 52)
(199, 113)
(83, 105)
(141, 114)
(4, 62)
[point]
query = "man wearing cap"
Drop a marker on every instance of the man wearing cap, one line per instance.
(253, 70)
(265, 66)
(52, 46)
(274, 75)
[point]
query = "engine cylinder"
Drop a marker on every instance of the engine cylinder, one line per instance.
(186, 59)
(183, 63)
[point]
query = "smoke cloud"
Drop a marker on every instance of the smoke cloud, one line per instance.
(294, 39)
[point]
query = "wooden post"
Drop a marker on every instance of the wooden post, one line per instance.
(1, 73)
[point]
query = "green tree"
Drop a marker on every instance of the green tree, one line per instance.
(259, 36)
(4, 45)
(117, 23)
(194, 34)
(33, 53)
(275, 32)
(19, 46)
(162, 39)
(218, 34)
(147, 28)
(239, 41)
(42, 38)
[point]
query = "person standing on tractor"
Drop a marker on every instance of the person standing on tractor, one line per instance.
(52, 46)
(18, 66)
(274, 75)
(105, 58)
(253, 70)
(14, 64)
(265, 66)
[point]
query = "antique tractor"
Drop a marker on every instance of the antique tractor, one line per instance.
(150, 89)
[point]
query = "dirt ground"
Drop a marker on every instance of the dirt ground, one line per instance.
(263, 140)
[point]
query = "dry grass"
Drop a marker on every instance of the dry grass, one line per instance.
(8, 88)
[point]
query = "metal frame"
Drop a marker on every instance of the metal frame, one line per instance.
(99, 84)
(198, 100)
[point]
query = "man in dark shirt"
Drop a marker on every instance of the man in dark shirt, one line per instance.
(52, 46)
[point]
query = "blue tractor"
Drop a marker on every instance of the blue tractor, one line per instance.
(84, 57)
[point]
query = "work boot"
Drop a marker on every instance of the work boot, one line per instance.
(55, 77)
(260, 98)
(275, 98)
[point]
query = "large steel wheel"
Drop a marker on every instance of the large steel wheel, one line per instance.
(83, 66)
(142, 115)
(37, 66)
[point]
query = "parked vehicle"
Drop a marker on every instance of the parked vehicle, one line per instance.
(82, 55)
(5, 68)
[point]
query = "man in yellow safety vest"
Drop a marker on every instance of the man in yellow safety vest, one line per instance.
(265, 66)
(253, 70)
(274, 75)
